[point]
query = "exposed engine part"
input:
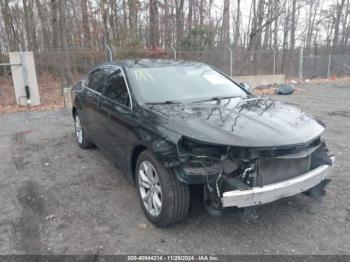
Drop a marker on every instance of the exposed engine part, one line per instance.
(233, 183)
(212, 207)
(225, 168)
(221, 170)
(246, 172)
(230, 166)
(274, 170)
(211, 200)
(217, 184)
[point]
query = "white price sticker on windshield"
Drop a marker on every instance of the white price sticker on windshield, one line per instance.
(216, 78)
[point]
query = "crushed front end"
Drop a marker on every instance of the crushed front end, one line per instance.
(243, 177)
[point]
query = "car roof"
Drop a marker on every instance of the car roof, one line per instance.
(146, 62)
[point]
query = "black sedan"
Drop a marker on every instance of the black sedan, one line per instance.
(169, 124)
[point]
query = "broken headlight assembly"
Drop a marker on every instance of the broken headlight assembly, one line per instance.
(213, 164)
(202, 159)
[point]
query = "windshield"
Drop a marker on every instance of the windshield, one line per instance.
(183, 83)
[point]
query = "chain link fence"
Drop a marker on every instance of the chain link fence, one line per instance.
(294, 64)
(57, 69)
(66, 64)
(326, 65)
(233, 62)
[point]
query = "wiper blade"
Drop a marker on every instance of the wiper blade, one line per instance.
(167, 102)
(215, 98)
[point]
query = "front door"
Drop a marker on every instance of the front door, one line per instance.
(117, 118)
(92, 96)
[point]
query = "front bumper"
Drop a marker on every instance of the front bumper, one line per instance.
(272, 192)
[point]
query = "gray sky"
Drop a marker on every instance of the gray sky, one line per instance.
(245, 9)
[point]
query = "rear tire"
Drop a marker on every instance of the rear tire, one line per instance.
(80, 133)
(174, 195)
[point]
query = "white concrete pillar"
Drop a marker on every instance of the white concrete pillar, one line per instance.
(67, 92)
(23, 75)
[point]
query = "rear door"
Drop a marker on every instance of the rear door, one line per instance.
(94, 86)
(116, 113)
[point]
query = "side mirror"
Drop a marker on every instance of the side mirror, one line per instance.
(246, 86)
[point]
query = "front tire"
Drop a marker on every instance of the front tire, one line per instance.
(164, 199)
(80, 134)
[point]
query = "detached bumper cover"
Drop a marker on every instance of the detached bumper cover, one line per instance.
(272, 192)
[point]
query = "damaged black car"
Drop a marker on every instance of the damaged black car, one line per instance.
(171, 124)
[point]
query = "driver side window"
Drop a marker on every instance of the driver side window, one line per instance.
(96, 79)
(116, 89)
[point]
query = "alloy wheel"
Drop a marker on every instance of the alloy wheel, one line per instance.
(150, 189)
(78, 130)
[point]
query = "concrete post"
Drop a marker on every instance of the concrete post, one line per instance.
(67, 97)
(24, 74)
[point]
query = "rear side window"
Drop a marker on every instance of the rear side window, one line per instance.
(116, 89)
(96, 78)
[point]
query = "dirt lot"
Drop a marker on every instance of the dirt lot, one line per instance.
(56, 198)
(50, 90)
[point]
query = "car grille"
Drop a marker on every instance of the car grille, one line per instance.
(273, 170)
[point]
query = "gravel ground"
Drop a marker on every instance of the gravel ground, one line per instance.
(58, 199)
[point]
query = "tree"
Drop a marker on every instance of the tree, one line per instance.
(179, 20)
(133, 19)
(86, 24)
(225, 38)
(237, 22)
(45, 28)
(293, 25)
(153, 24)
(55, 43)
(340, 6)
(52, 26)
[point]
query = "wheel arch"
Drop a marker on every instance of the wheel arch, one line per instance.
(160, 155)
(135, 153)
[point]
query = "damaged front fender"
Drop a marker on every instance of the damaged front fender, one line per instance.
(163, 146)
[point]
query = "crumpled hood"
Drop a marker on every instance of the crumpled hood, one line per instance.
(245, 122)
